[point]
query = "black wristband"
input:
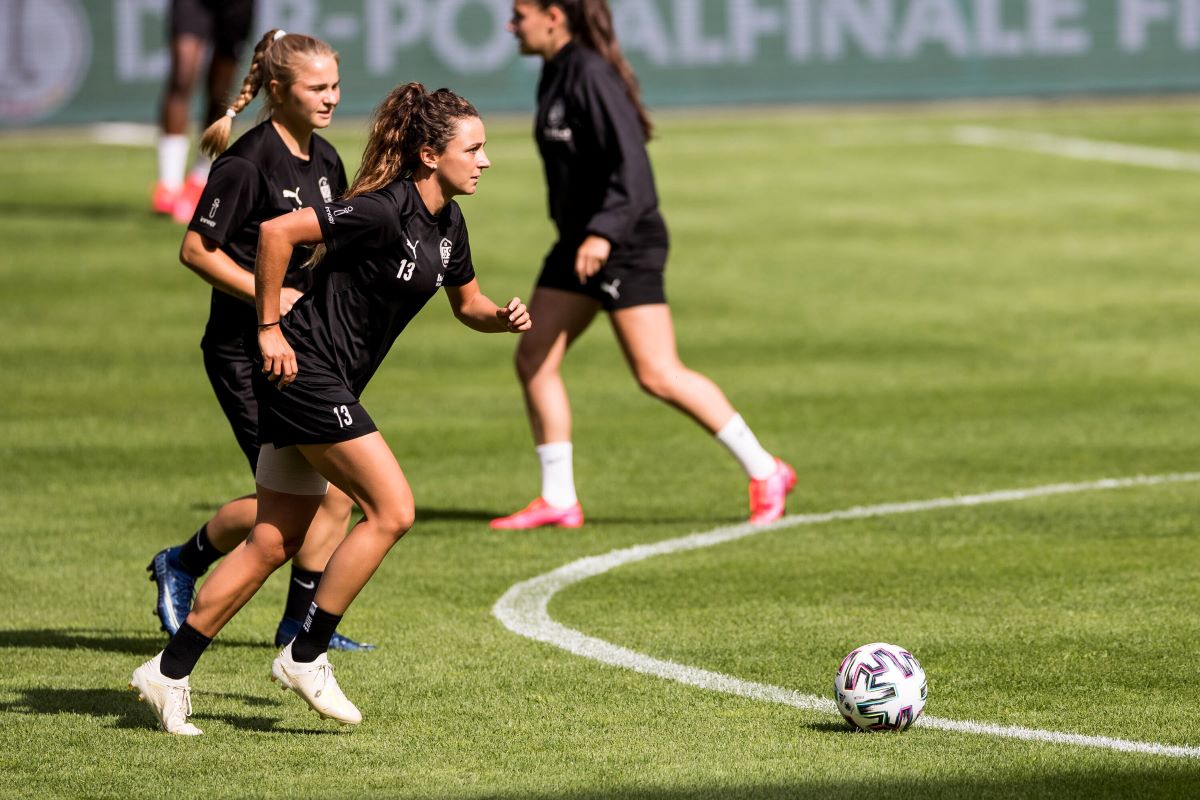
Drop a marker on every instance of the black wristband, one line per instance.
(262, 326)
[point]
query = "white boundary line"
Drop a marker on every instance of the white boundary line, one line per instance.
(1077, 148)
(523, 610)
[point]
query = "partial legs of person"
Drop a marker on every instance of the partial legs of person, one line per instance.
(162, 682)
(187, 56)
(647, 337)
(364, 469)
(561, 318)
(175, 570)
(222, 70)
(326, 532)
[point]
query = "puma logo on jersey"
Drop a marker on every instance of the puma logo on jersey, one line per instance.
(326, 193)
(293, 194)
(612, 289)
(411, 245)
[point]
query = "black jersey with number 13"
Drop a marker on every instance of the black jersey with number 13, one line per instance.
(387, 255)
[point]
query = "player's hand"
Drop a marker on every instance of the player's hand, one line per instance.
(591, 256)
(287, 298)
(279, 360)
(515, 316)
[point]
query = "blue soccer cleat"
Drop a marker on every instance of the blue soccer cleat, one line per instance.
(176, 588)
(288, 628)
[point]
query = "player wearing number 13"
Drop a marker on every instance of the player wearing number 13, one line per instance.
(387, 249)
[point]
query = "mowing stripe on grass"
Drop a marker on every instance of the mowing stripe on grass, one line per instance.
(523, 610)
(1077, 148)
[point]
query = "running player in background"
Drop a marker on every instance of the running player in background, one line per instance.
(192, 27)
(591, 130)
(278, 166)
(396, 239)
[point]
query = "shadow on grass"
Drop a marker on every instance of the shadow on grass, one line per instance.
(127, 713)
(109, 641)
(1115, 782)
(426, 514)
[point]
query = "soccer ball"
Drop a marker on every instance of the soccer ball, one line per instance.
(880, 687)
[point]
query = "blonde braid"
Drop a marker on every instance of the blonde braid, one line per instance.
(216, 137)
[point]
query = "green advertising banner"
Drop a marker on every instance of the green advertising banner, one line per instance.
(72, 61)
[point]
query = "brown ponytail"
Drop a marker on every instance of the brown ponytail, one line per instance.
(591, 24)
(276, 58)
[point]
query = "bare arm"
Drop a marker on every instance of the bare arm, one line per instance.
(476, 311)
(277, 239)
(204, 257)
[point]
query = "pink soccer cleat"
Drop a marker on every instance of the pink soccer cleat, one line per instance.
(164, 199)
(769, 495)
(540, 513)
(187, 200)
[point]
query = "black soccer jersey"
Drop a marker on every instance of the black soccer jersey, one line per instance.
(254, 180)
(387, 255)
(597, 171)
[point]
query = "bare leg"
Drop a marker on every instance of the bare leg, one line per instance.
(230, 526)
(187, 53)
(647, 337)
(221, 73)
(561, 318)
(365, 469)
(278, 533)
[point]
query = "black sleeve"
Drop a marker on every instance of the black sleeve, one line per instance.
(618, 131)
(459, 269)
(232, 192)
(342, 183)
(368, 220)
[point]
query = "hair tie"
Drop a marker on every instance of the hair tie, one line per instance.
(279, 34)
(230, 112)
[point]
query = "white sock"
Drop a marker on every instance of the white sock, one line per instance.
(558, 474)
(743, 444)
(172, 159)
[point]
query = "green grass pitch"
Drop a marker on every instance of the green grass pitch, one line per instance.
(902, 317)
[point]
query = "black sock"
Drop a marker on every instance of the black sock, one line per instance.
(314, 637)
(302, 588)
(183, 651)
(197, 554)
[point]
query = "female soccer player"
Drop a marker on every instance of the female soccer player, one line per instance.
(591, 130)
(276, 167)
(390, 245)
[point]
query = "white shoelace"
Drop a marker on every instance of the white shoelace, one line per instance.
(326, 673)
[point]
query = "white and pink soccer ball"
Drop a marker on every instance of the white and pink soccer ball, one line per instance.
(880, 687)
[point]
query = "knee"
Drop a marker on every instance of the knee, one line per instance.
(657, 380)
(527, 364)
(272, 552)
(395, 522)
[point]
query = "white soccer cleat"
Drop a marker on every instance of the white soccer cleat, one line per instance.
(315, 683)
(170, 698)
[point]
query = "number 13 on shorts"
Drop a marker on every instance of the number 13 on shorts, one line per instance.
(343, 416)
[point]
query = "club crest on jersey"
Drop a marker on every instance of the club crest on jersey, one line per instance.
(326, 192)
(556, 129)
(444, 246)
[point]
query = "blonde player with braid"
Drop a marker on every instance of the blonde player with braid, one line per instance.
(278, 166)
